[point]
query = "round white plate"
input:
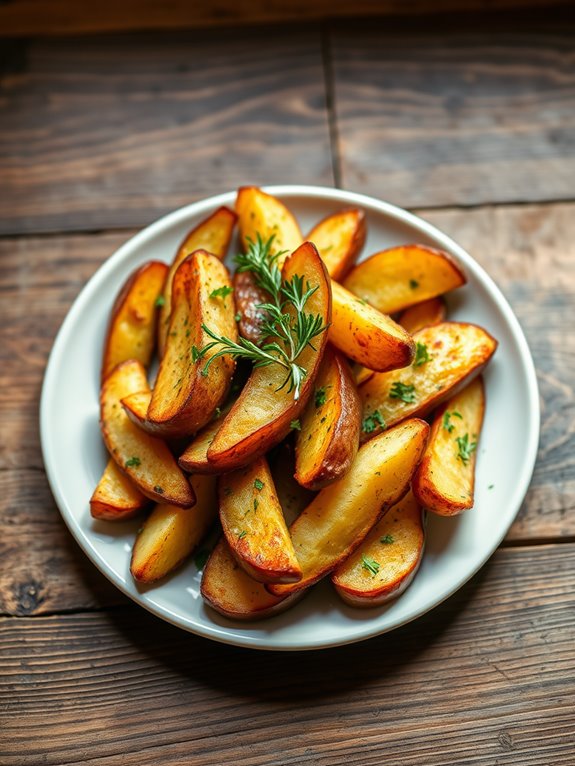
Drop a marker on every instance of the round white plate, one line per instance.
(456, 547)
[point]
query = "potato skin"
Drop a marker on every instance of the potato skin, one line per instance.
(131, 330)
(442, 483)
(116, 498)
(340, 238)
(247, 296)
(320, 461)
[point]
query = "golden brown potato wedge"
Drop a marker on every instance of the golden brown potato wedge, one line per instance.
(399, 277)
(263, 214)
(386, 562)
(366, 335)
(132, 329)
(248, 296)
(341, 515)
(145, 459)
(254, 525)
(329, 437)
(262, 415)
(445, 479)
(136, 407)
(422, 315)
(185, 398)
(212, 235)
(449, 355)
(116, 498)
(170, 534)
(233, 593)
(339, 239)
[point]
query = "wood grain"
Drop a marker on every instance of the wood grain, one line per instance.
(487, 678)
(114, 131)
(480, 111)
(49, 17)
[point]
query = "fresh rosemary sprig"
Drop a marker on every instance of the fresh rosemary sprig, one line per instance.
(287, 328)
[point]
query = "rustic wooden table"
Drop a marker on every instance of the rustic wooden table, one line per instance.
(468, 120)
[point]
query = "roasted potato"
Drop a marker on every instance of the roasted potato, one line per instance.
(445, 479)
(132, 328)
(339, 239)
(212, 235)
(184, 398)
(402, 276)
(449, 355)
(422, 315)
(254, 525)
(388, 559)
(116, 498)
(248, 296)
(263, 214)
(329, 437)
(170, 534)
(341, 515)
(366, 335)
(146, 460)
(195, 457)
(262, 415)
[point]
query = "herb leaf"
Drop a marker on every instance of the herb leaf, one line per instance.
(386, 539)
(133, 462)
(221, 292)
(320, 396)
(403, 391)
(295, 425)
(370, 564)
(372, 421)
(465, 448)
(258, 484)
(242, 534)
(421, 355)
(414, 284)
(159, 302)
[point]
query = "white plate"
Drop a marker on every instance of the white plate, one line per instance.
(456, 548)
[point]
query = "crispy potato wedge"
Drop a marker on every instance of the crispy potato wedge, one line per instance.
(136, 407)
(254, 525)
(184, 399)
(145, 459)
(339, 238)
(399, 277)
(233, 593)
(341, 515)
(366, 335)
(116, 498)
(329, 437)
(170, 534)
(261, 417)
(422, 315)
(457, 352)
(386, 562)
(263, 214)
(212, 235)
(132, 329)
(445, 479)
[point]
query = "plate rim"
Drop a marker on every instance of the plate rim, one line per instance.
(285, 191)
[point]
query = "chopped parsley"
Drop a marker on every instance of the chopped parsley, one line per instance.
(386, 539)
(446, 422)
(370, 564)
(403, 391)
(196, 354)
(414, 284)
(159, 302)
(238, 316)
(242, 534)
(221, 292)
(201, 558)
(133, 462)
(465, 448)
(491, 486)
(258, 484)
(372, 421)
(320, 396)
(295, 425)
(256, 503)
(421, 355)
(158, 489)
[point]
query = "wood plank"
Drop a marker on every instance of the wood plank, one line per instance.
(488, 677)
(529, 250)
(477, 110)
(42, 17)
(115, 131)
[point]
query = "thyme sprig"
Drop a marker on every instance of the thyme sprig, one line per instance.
(287, 328)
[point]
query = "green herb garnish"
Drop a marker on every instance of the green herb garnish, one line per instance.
(414, 284)
(320, 396)
(133, 462)
(242, 534)
(258, 484)
(465, 448)
(372, 421)
(386, 539)
(221, 292)
(403, 391)
(295, 425)
(421, 355)
(158, 489)
(159, 302)
(370, 564)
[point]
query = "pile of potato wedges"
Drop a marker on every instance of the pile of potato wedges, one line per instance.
(333, 482)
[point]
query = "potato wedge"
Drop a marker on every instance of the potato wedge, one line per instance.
(231, 592)
(195, 457)
(136, 407)
(341, 515)
(262, 415)
(339, 238)
(329, 437)
(422, 315)
(261, 213)
(445, 479)
(145, 459)
(212, 235)
(366, 335)
(399, 277)
(170, 534)
(254, 525)
(457, 353)
(131, 331)
(116, 498)
(184, 399)
(248, 296)
(387, 561)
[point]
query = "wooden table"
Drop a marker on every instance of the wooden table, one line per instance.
(468, 120)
